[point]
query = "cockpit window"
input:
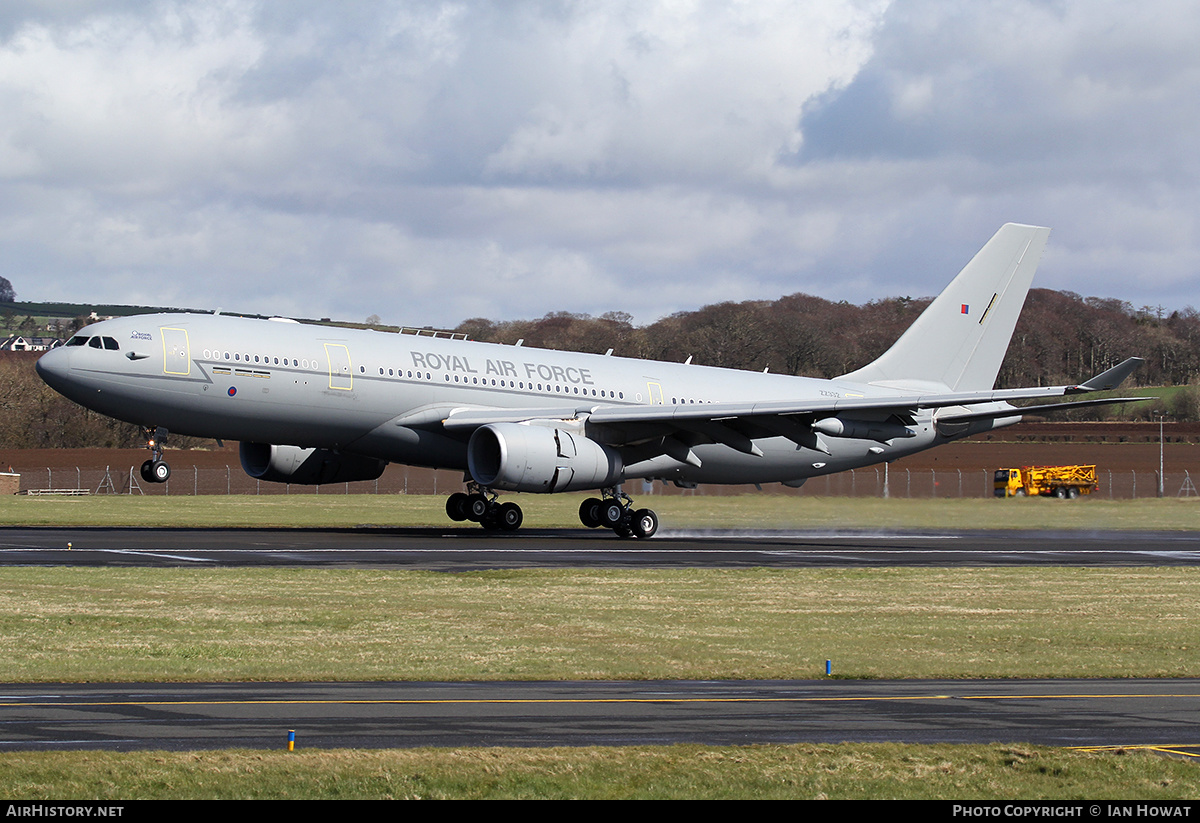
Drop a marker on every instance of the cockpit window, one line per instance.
(109, 343)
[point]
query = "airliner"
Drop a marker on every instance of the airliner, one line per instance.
(315, 404)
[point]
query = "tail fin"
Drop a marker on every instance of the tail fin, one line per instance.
(960, 340)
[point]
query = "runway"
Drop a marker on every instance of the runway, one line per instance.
(1156, 714)
(463, 549)
(1159, 714)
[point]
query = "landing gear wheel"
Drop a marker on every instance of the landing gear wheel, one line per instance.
(510, 517)
(611, 513)
(456, 507)
(644, 523)
(477, 507)
(147, 471)
(589, 512)
(160, 471)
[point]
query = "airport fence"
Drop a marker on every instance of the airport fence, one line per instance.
(868, 482)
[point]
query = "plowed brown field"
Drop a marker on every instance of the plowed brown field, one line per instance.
(1126, 456)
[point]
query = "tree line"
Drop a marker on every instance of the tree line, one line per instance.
(1061, 338)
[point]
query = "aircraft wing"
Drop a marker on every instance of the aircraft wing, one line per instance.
(737, 424)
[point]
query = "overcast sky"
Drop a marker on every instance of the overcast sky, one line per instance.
(430, 162)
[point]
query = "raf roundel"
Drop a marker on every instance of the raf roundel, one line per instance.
(232, 391)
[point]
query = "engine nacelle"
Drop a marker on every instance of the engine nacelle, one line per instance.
(522, 458)
(312, 467)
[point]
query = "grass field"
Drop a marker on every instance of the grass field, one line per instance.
(123, 624)
(749, 511)
(309, 623)
(873, 771)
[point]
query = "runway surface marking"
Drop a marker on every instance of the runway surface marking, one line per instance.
(1174, 749)
(147, 553)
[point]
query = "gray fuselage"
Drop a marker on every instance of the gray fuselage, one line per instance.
(386, 395)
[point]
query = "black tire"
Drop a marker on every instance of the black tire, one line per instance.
(1072, 493)
(160, 470)
(477, 507)
(510, 517)
(644, 524)
(147, 471)
(1060, 493)
(456, 507)
(589, 512)
(611, 514)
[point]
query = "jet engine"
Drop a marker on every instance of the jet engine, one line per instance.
(312, 467)
(523, 458)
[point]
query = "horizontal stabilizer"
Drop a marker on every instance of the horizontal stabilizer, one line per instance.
(1110, 379)
(1044, 408)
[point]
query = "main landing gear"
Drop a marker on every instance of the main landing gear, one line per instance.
(481, 506)
(155, 470)
(615, 511)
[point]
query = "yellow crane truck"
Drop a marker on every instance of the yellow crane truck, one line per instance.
(1049, 481)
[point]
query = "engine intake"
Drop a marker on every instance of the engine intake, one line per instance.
(311, 467)
(522, 458)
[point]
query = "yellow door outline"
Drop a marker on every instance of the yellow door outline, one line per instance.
(341, 373)
(177, 357)
(654, 391)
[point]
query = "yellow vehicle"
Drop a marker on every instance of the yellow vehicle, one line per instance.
(1050, 481)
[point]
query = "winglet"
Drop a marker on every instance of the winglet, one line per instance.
(1109, 379)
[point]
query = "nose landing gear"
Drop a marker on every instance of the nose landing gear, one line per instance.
(155, 470)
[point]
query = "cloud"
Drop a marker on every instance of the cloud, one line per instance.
(429, 162)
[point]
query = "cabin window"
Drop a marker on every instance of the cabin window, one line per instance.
(78, 340)
(110, 344)
(94, 342)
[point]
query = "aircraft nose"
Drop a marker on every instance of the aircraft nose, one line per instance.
(54, 367)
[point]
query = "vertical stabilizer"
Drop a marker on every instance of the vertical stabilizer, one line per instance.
(961, 339)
